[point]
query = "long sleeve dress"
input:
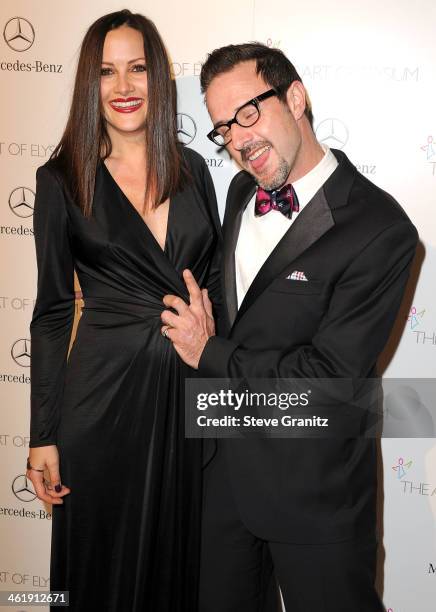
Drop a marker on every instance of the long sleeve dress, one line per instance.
(126, 538)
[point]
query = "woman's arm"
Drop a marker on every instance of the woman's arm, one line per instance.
(50, 331)
(53, 314)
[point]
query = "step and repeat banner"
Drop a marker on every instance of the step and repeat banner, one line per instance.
(370, 69)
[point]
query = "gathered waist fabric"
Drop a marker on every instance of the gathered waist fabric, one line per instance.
(136, 307)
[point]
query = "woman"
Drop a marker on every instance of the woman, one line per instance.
(126, 207)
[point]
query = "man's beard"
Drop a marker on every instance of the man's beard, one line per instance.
(280, 176)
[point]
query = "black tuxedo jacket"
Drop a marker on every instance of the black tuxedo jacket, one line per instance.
(355, 245)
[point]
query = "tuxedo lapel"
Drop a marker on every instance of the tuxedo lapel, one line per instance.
(240, 193)
(314, 220)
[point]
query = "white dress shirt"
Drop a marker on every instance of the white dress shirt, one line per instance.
(259, 235)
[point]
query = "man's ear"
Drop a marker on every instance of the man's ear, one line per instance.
(296, 99)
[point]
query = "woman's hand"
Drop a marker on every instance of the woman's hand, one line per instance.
(46, 459)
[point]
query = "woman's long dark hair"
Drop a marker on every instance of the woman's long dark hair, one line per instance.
(85, 140)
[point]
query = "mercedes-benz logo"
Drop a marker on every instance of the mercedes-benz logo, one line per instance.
(186, 128)
(22, 488)
(20, 352)
(19, 34)
(333, 133)
(21, 201)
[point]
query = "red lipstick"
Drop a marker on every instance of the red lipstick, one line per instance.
(126, 105)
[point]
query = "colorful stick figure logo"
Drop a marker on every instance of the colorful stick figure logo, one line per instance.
(401, 468)
(429, 148)
(415, 316)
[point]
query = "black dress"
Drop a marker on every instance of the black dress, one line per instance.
(126, 538)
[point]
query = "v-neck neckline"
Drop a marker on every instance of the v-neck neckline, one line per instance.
(139, 216)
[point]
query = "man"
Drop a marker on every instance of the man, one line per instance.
(316, 259)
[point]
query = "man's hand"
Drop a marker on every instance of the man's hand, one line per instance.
(193, 325)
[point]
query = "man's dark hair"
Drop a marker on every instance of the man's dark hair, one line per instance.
(272, 65)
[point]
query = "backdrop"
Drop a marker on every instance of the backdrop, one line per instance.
(370, 69)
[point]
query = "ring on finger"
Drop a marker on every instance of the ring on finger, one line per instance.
(165, 331)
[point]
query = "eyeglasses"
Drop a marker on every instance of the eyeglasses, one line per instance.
(245, 116)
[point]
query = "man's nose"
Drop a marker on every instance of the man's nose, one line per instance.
(241, 136)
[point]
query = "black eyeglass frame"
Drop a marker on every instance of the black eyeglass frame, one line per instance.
(254, 102)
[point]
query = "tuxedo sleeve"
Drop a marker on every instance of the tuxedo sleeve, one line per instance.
(354, 329)
(53, 313)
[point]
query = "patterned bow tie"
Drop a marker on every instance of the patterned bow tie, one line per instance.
(285, 200)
